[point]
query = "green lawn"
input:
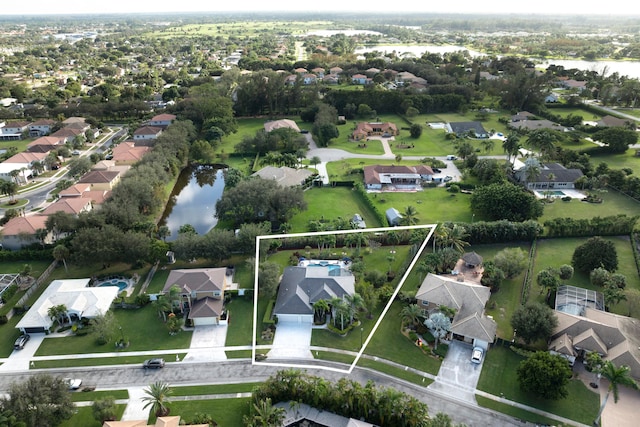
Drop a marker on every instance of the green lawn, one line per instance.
(329, 204)
(15, 267)
(515, 412)
(142, 326)
(499, 378)
(87, 396)
(198, 390)
(613, 203)
(226, 412)
(241, 321)
(84, 417)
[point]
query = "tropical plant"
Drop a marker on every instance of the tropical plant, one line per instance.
(411, 315)
(410, 216)
(157, 398)
(61, 253)
(616, 376)
(265, 414)
(162, 306)
(439, 325)
(320, 309)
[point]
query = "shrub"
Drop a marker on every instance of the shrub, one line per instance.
(566, 199)
(441, 350)
(3, 319)
(595, 252)
(413, 336)
(453, 188)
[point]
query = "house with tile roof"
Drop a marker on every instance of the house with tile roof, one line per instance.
(22, 231)
(202, 293)
(162, 120)
(366, 129)
(396, 177)
(611, 121)
(147, 132)
(469, 324)
(279, 124)
(302, 286)
(81, 301)
(284, 176)
(101, 180)
(13, 130)
(129, 152)
(41, 127)
(45, 144)
(69, 205)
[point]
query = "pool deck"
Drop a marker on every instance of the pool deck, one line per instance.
(574, 194)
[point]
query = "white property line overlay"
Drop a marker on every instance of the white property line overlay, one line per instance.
(384, 312)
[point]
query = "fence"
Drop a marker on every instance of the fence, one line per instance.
(43, 277)
(526, 284)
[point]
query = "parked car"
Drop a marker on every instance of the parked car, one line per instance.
(21, 342)
(75, 152)
(73, 383)
(108, 157)
(452, 157)
(476, 355)
(153, 363)
(448, 178)
(436, 170)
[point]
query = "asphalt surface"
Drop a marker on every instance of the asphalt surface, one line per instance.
(183, 373)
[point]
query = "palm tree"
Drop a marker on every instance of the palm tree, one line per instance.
(315, 160)
(355, 301)
(487, 144)
(61, 253)
(266, 415)
(340, 310)
(411, 314)
(320, 308)
(511, 146)
(175, 297)
(162, 305)
(615, 376)
(409, 216)
(455, 238)
(156, 398)
(543, 141)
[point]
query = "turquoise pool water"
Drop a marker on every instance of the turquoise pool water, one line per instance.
(555, 193)
(121, 284)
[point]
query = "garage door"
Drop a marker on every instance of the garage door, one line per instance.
(295, 318)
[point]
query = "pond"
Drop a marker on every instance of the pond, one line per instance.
(193, 199)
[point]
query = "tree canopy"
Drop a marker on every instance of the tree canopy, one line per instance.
(595, 252)
(545, 375)
(533, 321)
(505, 201)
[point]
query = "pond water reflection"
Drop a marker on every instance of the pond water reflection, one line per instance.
(193, 199)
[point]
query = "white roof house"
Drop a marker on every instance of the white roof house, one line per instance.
(81, 302)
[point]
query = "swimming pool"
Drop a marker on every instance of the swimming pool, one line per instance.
(554, 193)
(120, 283)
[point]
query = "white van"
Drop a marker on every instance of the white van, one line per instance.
(452, 157)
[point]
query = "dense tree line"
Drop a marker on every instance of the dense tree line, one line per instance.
(608, 226)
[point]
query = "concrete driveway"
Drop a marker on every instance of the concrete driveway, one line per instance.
(19, 359)
(292, 341)
(207, 344)
(458, 377)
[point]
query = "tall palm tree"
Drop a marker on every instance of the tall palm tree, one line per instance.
(320, 308)
(615, 376)
(355, 301)
(511, 146)
(543, 141)
(455, 238)
(157, 398)
(61, 253)
(162, 306)
(410, 216)
(487, 144)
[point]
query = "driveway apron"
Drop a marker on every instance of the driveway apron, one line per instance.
(458, 376)
(207, 344)
(292, 341)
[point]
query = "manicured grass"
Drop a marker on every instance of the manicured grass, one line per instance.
(15, 267)
(87, 396)
(499, 378)
(613, 203)
(627, 159)
(432, 204)
(157, 282)
(199, 390)
(518, 413)
(8, 335)
(141, 326)
(241, 321)
(226, 412)
(555, 252)
(101, 361)
(238, 354)
(330, 204)
(84, 417)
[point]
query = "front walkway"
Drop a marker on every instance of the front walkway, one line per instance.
(135, 406)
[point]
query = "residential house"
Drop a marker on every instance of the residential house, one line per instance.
(537, 124)
(173, 421)
(69, 205)
(201, 293)
(27, 158)
(101, 180)
(301, 287)
(359, 79)
(573, 84)
(69, 133)
(469, 323)
(284, 176)
(301, 70)
(41, 127)
(81, 301)
(611, 121)
(84, 191)
(331, 79)
(74, 120)
(372, 71)
(23, 231)
(146, 133)
(291, 79)
(464, 129)
(279, 124)
(319, 71)
(522, 116)
(162, 120)
(129, 152)
(364, 130)
(405, 78)
(584, 327)
(309, 79)
(548, 176)
(336, 71)
(396, 177)
(394, 218)
(13, 130)
(22, 171)
(552, 98)
(45, 144)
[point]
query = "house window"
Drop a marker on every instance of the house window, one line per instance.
(425, 302)
(216, 294)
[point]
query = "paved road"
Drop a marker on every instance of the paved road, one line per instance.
(184, 373)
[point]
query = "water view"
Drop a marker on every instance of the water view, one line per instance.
(193, 200)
